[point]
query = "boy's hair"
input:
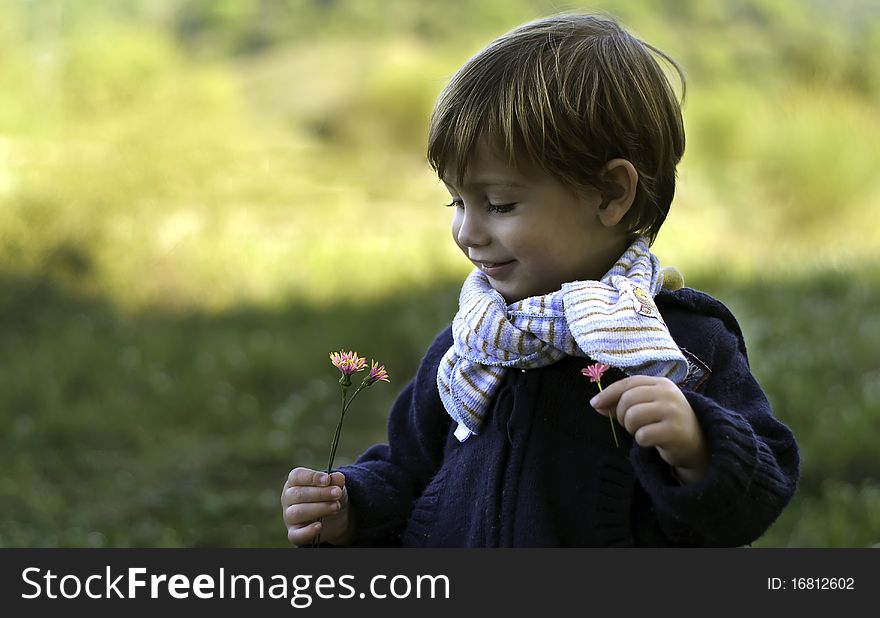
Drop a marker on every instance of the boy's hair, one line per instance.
(568, 93)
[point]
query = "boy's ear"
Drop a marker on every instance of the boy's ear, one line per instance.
(620, 180)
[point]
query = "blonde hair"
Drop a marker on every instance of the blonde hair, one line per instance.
(568, 93)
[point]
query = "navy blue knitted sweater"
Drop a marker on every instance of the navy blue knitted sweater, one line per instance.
(544, 471)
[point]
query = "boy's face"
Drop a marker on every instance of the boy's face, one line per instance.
(528, 232)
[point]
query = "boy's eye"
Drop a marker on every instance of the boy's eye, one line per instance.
(501, 208)
(490, 207)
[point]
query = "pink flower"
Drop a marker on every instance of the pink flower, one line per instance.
(348, 362)
(377, 373)
(595, 371)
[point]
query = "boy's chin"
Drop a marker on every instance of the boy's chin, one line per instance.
(506, 294)
(510, 293)
(515, 289)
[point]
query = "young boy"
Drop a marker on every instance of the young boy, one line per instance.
(558, 144)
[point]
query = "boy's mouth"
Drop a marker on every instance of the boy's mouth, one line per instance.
(494, 269)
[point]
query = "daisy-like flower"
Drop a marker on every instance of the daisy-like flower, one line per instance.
(377, 373)
(595, 372)
(348, 362)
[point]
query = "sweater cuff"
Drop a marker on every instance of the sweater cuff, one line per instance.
(703, 512)
(378, 520)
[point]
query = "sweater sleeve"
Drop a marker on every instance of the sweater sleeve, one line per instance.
(385, 481)
(754, 461)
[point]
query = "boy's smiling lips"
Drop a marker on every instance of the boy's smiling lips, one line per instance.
(494, 269)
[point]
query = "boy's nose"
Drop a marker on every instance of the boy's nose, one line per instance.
(471, 233)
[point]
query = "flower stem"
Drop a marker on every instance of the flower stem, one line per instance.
(335, 443)
(610, 418)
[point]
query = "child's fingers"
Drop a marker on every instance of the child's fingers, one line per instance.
(639, 394)
(638, 415)
(310, 511)
(301, 535)
(307, 476)
(649, 435)
(301, 493)
(608, 396)
(624, 397)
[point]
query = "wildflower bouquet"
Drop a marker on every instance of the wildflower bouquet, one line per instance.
(349, 363)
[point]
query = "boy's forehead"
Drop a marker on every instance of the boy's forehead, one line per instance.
(486, 166)
(483, 181)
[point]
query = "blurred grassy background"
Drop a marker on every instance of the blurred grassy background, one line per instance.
(199, 200)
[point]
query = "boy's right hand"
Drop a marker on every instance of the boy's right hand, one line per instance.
(310, 495)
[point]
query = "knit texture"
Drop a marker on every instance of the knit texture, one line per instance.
(613, 321)
(546, 473)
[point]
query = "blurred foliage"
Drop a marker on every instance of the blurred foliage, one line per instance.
(199, 199)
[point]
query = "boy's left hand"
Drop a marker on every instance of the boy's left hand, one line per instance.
(656, 413)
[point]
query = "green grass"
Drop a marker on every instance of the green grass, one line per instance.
(161, 428)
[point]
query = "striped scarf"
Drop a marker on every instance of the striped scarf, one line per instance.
(613, 321)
